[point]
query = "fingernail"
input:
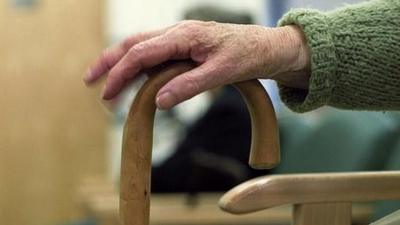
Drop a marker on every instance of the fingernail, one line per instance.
(165, 100)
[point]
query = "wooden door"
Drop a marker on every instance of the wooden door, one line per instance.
(52, 129)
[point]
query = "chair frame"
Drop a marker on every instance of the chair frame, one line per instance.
(318, 199)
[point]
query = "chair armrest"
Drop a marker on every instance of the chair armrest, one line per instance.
(276, 190)
(392, 219)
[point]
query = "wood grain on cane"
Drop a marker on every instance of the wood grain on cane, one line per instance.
(138, 135)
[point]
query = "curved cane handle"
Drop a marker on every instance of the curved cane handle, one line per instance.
(138, 137)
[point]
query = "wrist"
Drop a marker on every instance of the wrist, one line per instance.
(297, 44)
(295, 57)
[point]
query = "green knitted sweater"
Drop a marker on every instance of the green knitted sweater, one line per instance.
(355, 57)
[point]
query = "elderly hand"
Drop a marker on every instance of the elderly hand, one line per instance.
(225, 53)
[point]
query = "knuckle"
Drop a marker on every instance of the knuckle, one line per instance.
(105, 58)
(210, 23)
(143, 47)
(139, 52)
(127, 43)
(184, 23)
(132, 40)
(197, 32)
(134, 61)
(135, 52)
(191, 83)
(189, 26)
(187, 31)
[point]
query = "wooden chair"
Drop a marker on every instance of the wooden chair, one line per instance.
(320, 199)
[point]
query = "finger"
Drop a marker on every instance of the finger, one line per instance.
(112, 55)
(189, 84)
(141, 56)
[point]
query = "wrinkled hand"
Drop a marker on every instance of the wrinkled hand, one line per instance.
(224, 53)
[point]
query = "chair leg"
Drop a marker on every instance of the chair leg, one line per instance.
(322, 214)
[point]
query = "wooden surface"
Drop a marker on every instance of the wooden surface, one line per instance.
(138, 138)
(265, 149)
(322, 214)
(270, 191)
(53, 131)
(137, 148)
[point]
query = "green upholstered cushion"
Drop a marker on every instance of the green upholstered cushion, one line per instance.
(341, 141)
(386, 207)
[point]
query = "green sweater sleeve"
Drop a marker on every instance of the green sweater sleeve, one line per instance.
(355, 57)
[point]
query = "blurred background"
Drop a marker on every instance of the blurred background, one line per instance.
(60, 149)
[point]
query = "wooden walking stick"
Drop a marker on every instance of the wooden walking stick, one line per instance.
(138, 137)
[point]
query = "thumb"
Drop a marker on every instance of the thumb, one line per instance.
(187, 85)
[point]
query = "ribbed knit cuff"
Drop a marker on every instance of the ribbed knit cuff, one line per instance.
(323, 61)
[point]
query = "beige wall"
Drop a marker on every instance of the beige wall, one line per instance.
(52, 129)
